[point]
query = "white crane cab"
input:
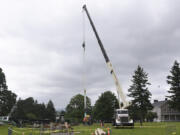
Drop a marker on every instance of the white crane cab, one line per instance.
(121, 118)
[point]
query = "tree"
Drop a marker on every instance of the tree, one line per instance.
(140, 104)
(134, 112)
(50, 111)
(105, 106)
(3, 85)
(174, 81)
(30, 109)
(75, 109)
(24, 109)
(151, 116)
(7, 101)
(40, 111)
(7, 98)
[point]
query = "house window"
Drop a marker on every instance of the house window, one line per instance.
(178, 117)
(172, 117)
(166, 117)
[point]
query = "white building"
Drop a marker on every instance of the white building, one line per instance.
(4, 118)
(164, 112)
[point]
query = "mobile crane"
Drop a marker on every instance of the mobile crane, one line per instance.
(121, 116)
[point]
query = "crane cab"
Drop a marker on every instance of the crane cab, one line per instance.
(121, 118)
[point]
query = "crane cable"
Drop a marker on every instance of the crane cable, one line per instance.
(84, 65)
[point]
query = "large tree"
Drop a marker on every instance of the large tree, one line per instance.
(138, 91)
(7, 101)
(3, 85)
(50, 111)
(174, 81)
(105, 106)
(75, 109)
(7, 97)
(30, 109)
(25, 109)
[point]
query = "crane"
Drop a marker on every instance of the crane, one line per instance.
(121, 116)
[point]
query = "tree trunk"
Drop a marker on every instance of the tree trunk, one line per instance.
(141, 121)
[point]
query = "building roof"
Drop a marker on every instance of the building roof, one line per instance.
(159, 103)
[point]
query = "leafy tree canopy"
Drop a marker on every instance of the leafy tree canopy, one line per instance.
(7, 97)
(75, 109)
(30, 109)
(3, 85)
(105, 106)
(50, 111)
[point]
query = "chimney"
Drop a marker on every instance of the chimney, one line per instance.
(155, 101)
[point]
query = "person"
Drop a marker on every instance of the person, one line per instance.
(102, 123)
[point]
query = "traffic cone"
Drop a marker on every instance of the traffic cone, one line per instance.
(108, 131)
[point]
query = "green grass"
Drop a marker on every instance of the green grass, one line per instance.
(3, 130)
(147, 129)
(19, 131)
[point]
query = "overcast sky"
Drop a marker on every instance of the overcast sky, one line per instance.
(41, 46)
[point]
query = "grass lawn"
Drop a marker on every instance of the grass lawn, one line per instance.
(147, 129)
(3, 130)
(19, 131)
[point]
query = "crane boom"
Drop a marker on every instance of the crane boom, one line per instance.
(118, 87)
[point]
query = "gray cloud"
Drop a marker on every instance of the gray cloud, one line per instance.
(41, 53)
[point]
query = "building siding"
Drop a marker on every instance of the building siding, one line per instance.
(164, 112)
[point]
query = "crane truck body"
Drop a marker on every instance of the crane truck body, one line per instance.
(121, 116)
